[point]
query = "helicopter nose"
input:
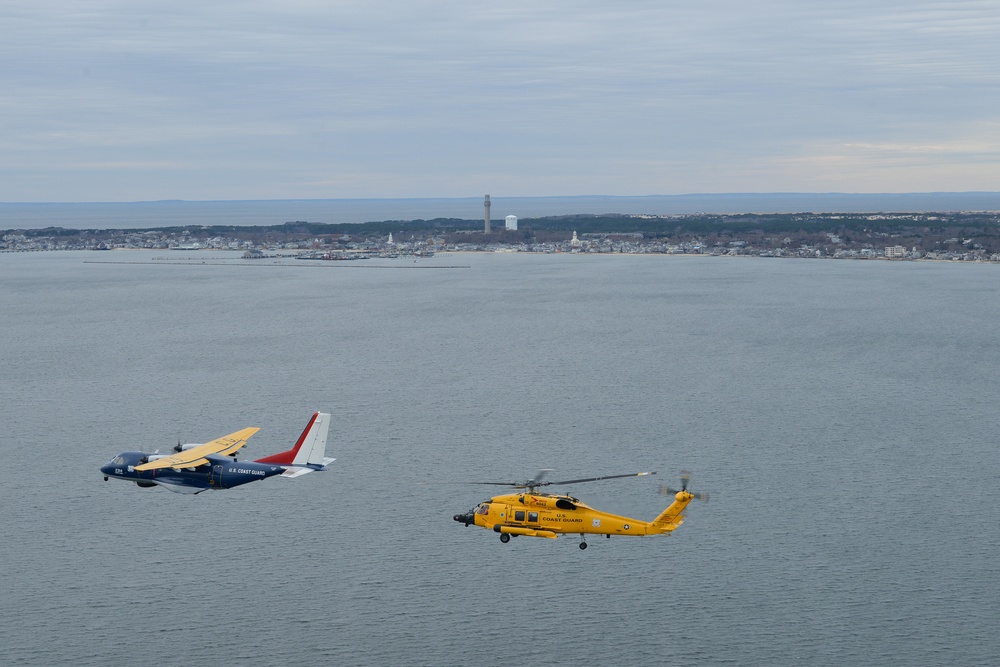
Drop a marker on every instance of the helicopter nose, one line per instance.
(467, 519)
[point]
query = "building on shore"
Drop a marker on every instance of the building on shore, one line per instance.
(895, 252)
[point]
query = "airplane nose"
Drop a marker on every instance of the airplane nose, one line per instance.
(467, 519)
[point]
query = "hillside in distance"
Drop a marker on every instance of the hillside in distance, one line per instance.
(823, 234)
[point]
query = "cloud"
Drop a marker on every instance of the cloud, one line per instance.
(362, 99)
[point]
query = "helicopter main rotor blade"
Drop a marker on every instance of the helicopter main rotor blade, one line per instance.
(539, 476)
(594, 479)
(529, 484)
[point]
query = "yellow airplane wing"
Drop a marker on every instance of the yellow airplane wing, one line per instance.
(195, 456)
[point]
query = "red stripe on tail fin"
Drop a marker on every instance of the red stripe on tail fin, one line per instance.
(287, 457)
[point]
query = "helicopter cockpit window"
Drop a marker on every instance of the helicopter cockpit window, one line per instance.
(483, 509)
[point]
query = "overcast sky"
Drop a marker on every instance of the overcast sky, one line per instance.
(105, 100)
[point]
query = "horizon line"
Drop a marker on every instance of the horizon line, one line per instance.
(475, 197)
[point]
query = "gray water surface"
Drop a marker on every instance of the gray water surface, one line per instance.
(843, 416)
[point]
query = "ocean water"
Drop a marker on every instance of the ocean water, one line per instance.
(843, 415)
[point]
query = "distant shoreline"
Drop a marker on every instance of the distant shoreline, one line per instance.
(154, 214)
(291, 260)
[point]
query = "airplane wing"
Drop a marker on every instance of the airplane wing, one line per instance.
(191, 458)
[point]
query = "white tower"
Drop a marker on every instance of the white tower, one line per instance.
(511, 222)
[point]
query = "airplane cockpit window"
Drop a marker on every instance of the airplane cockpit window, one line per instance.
(483, 509)
(118, 460)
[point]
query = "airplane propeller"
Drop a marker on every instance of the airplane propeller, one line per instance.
(665, 490)
(539, 480)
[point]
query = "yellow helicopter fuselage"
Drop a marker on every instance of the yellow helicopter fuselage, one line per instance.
(547, 515)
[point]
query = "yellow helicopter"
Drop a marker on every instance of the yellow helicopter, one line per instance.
(533, 514)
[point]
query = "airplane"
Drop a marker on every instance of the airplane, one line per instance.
(535, 514)
(213, 465)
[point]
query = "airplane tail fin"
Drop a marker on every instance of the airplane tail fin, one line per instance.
(309, 453)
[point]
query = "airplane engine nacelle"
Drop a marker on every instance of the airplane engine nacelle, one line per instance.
(182, 448)
(153, 457)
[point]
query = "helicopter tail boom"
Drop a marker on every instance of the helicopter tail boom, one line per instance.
(671, 517)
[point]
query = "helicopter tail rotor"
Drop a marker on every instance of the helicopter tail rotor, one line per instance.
(666, 490)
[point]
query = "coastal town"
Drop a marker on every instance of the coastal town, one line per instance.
(965, 237)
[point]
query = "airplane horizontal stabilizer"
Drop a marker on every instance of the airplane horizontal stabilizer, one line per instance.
(296, 471)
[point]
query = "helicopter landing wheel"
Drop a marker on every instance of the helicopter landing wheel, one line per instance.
(583, 545)
(505, 538)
